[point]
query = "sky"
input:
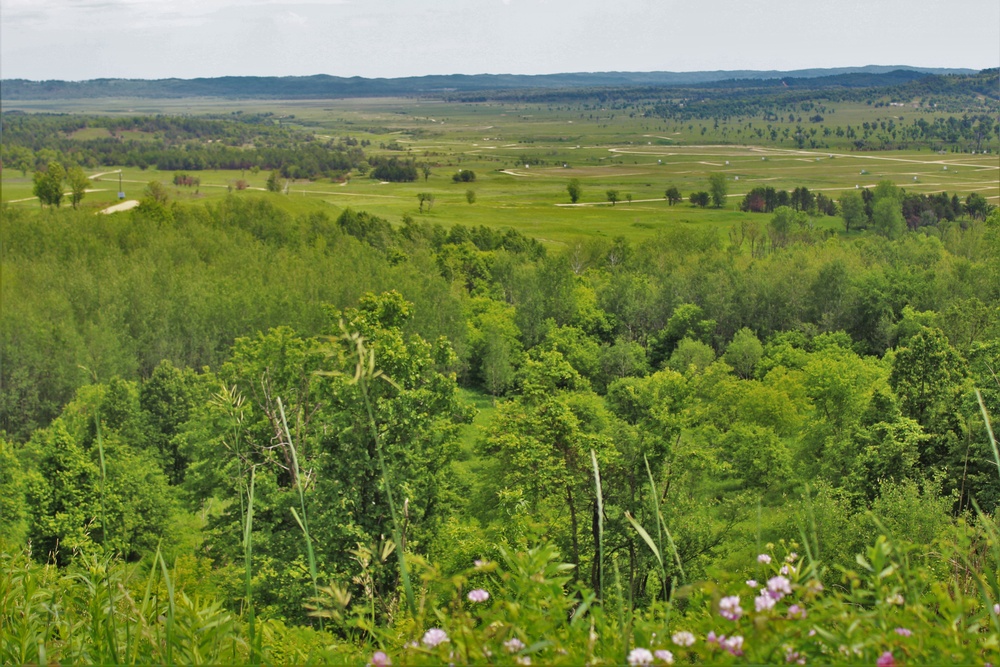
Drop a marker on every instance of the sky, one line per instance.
(152, 39)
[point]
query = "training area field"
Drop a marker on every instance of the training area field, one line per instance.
(525, 155)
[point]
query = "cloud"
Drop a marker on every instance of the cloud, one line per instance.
(133, 13)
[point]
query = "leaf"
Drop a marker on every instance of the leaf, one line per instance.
(645, 536)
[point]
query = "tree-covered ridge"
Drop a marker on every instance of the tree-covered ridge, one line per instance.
(236, 141)
(325, 86)
(236, 393)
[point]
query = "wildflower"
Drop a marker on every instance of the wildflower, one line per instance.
(904, 632)
(513, 645)
(886, 660)
(791, 558)
(412, 644)
(786, 569)
(792, 655)
(763, 558)
(733, 644)
(996, 609)
(815, 586)
(640, 657)
(481, 563)
(523, 660)
(752, 583)
(763, 602)
(664, 656)
(380, 659)
(729, 607)
(796, 611)
(434, 636)
(711, 638)
(895, 599)
(683, 638)
(778, 587)
(478, 595)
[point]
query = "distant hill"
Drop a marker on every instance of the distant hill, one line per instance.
(325, 86)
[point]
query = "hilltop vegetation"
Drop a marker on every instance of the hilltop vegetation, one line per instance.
(489, 413)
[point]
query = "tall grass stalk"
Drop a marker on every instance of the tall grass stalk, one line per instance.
(662, 522)
(171, 608)
(248, 568)
(303, 521)
(600, 524)
(989, 429)
(111, 630)
(989, 579)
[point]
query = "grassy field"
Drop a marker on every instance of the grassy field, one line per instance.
(525, 155)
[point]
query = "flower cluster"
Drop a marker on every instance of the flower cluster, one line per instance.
(886, 660)
(513, 645)
(478, 595)
(683, 638)
(434, 637)
(732, 644)
(729, 607)
(640, 657)
(664, 656)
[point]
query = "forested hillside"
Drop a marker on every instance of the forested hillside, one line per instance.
(230, 434)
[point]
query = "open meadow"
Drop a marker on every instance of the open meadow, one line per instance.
(524, 156)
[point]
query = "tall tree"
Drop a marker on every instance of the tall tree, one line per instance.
(673, 195)
(574, 190)
(49, 183)
(718, 189)
(852, 210)
(887, 218)
(78, 183)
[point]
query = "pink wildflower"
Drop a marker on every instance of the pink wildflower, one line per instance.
(752, 583)
(996, 609)
(523, 660)
(664, 656)
(683, 638)
(904, 632)
(729, 607)
(886, 660)
(792, 655)
(796, 611)
(513, 645)
(380, 659)
(763, 558)
(640, 657)
(478, 595)
(895, 599)
(791, 558)
(778, 587)
(434, 636)
(733, 644)
(764, 602)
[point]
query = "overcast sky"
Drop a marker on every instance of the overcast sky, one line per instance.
(86, 39)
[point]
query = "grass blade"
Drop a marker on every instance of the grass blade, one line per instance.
(989, 429)
(304, 520)
(600, 524)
